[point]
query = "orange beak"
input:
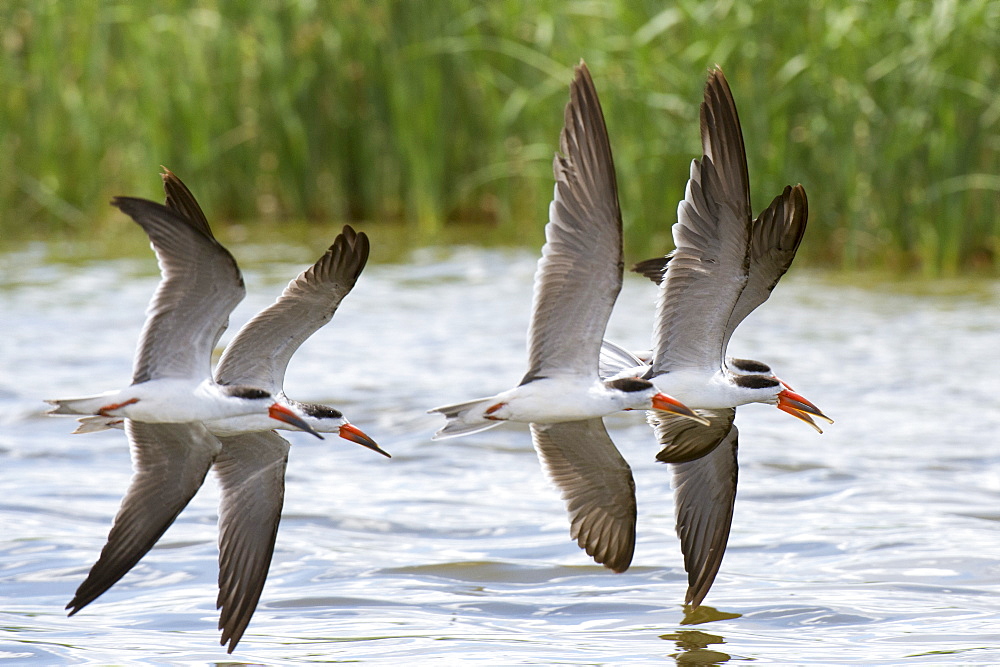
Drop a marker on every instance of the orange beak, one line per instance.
(672, 405)
(283, 414)
(800, 408)
(355, 434)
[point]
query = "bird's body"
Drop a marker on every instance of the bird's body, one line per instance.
(318, 417)
(175, 400)
(552, 400)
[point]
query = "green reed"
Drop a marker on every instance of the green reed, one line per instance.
(448, 112)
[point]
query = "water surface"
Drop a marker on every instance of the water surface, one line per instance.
(877, 542)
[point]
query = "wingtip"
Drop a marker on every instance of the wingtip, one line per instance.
(694, 598)
(800, 202)
(619, 567)
(232, 641)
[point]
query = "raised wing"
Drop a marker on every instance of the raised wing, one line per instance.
(704, 496)
(170, 462)
(774, 239)
(708, 269)
(181, 200)
(580, 272)
(260, 352)
(251, 473)
(596, 484)
(201, 285)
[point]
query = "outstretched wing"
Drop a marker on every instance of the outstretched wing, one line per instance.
(705, 495)
(251, 473)
(775, 238)
(596, 483)
(580, 272)
(201, 285)
(170, 462)
(260, 352)
(708, 270)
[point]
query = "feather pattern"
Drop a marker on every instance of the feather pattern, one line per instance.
(261, 350)
(170, 462)
(201, 286)
(579, 274)
(251, 473)
(597, 485)
(704, 497)
(181, 200)
(708, 269)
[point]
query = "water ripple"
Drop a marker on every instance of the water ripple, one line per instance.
(874, 543)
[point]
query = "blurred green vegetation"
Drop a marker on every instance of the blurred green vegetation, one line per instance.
(445, 112)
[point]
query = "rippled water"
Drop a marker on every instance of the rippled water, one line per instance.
(877, 542)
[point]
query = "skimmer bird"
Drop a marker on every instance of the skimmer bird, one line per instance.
(725, 265)
(562, 396)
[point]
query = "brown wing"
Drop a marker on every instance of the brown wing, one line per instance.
(181, 200)
(704, 497)
(580, 272)
(251, 473)
(170, 462)
(596, 484)
(776, 235)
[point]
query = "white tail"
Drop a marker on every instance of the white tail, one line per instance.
(465, 418)
(87, 405)
(97, 423)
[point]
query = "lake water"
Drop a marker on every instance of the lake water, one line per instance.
(877, 542)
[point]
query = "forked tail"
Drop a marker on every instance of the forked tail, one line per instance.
(87, 405)
(98, 423)
(465, 418)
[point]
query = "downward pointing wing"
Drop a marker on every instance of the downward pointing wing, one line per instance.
(170, 462)
(596, 484)
(251, 472)
(704, 497)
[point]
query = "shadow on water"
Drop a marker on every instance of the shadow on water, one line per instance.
(693, 644)
(705, 614)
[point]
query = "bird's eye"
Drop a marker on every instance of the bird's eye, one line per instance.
(322, 412)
